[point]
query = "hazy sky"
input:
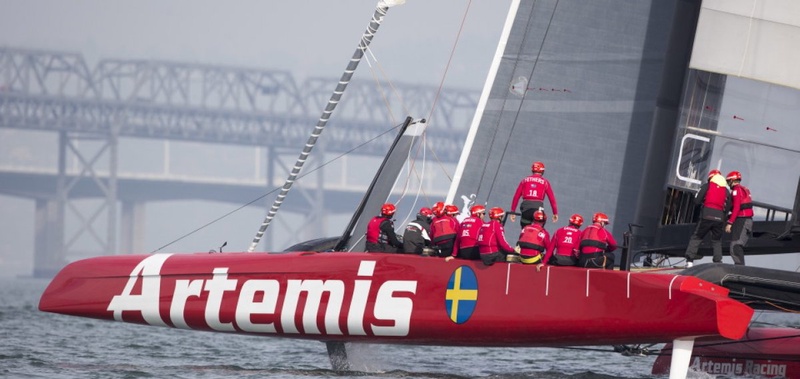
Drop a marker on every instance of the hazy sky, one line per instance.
(307, 38)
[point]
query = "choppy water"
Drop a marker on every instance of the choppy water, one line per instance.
(35, 344)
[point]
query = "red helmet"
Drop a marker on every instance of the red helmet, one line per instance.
(477, 209)
(425, 211)
(388, 209)
(714, 172)
(539, 216)
(438, 208)
(734, 175)
(496, 213)
(576, 220)
(451, 209)
(600, 217)
(537, 167)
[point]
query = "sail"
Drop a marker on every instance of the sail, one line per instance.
(589, 88)
(750, 39)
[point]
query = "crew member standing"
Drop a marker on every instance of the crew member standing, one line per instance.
(416, 236)
(532, 190)
(468, 237)
(492, 240)
(565, 246)
(713, 195)
(444, 231)
(380, 232)
(597, 244)
(534, 240)
(740, 223)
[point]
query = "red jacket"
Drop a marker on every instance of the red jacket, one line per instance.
(492, 238)
(566, 241)
(595, 238)
(534, 188)
(444, 228)
(742, 203)
(469, 233)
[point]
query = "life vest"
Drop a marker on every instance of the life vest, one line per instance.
(443, 229)
(533, 237)
(746, 206)
(716, 196)
(594, 240)
(374, 233)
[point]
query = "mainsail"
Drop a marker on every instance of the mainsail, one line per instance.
(590, 89)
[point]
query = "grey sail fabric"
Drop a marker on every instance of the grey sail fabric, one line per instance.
(589, 88)
(382, 185)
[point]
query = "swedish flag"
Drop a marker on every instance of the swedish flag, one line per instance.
(462, 294)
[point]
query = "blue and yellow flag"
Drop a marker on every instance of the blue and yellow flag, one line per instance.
(462, 295)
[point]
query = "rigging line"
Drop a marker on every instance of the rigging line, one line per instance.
(378, 85)
(342, 155)
(441, 84)
(389, 82)
(380, 11)
(505, 100)
(449, 60)
(524, 94)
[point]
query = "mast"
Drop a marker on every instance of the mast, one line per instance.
(377, 17)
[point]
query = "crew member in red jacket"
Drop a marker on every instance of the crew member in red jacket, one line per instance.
(532, 190)
(740, 222)
(468, 237)
(380, 232)
(713, 195)
(492, 240)
(444, 230)
(565, 246)
(534, 240)
(597, 244)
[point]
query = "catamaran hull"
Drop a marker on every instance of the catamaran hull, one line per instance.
(394, 298)
(763, 353)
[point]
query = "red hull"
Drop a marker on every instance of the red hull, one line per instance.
(393, 298)
(763, 352)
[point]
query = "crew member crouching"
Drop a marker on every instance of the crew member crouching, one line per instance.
(380, 232)
(492, 242)
(597, 244)
(534, 240)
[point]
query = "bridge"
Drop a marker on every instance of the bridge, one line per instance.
(97, 116)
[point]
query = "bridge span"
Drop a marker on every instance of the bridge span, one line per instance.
(103, 123)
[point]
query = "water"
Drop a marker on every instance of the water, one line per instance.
(35, 344)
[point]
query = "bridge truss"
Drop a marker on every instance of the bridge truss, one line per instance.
(58, 92)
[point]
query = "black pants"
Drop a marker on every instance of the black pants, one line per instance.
(562, 260)
(445, 248)
(471, 253)
(527, 208)
(597, 260)
(704, 227)
(490, 258)
(740, 232)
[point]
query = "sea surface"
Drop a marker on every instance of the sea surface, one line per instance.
(36, 344)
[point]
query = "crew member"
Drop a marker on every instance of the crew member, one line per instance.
(444, 231)
(468, 237)
(416, 236)
(565, 246)
(713, 195)
(534, 240)
(740, 222)
(532, 190)
(597, 244)
(380, 232)
(492, 242)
